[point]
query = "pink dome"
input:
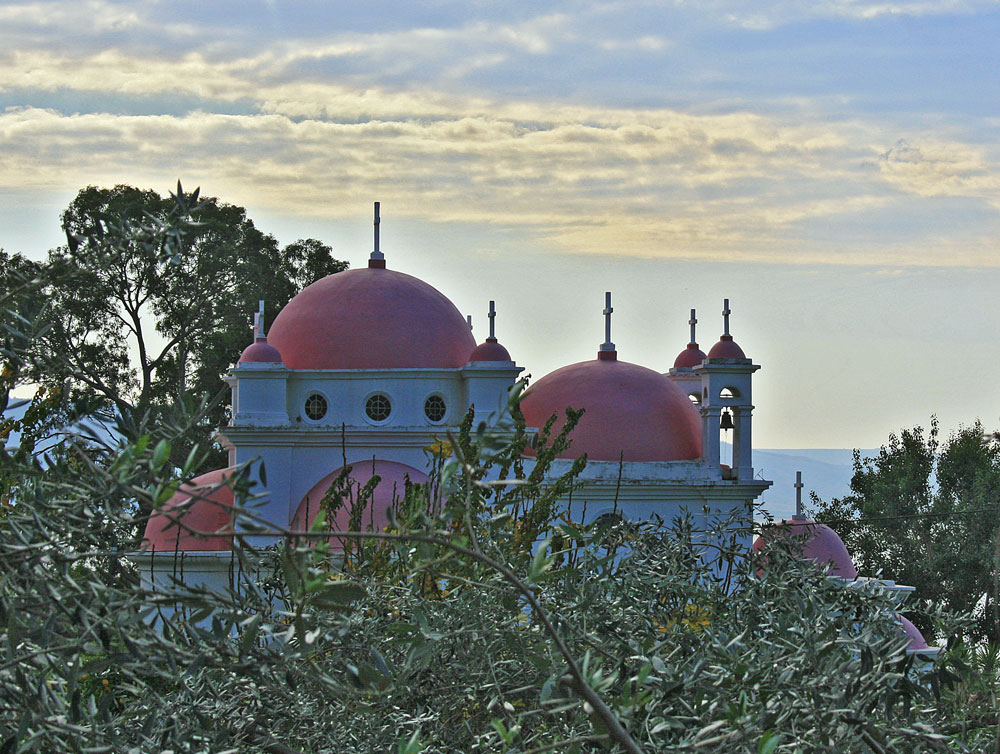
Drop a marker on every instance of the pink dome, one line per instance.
(211, 512)
(390, 488)
(371, 318)
(822, 545)
(917, 641)
(491, 350)
(260, 351)
(630, 410)
(691, 356)
(726, 348)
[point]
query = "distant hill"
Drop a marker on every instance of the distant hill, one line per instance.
(827, 472)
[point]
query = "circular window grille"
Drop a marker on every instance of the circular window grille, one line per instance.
(378, 407)
(434, 408)
(315, 407)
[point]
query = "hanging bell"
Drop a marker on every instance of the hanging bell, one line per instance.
(727, 420)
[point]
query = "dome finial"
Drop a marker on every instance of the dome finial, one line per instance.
(468, 318)
(258, 322)
(691, 356)
(726, 348)
(492, 315)
(260, 351)
(607, 351)
(376, 258)
(799, 515)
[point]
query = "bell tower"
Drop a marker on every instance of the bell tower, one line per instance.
(726, 402)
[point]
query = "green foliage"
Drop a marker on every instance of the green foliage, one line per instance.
(924, 512)
(967, 678)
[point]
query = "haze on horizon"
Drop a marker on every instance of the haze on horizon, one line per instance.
(830, 167)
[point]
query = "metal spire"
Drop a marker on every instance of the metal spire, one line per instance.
(693, 321)
(376, 256)
(607, 345)
(492, 315)
(725, 316)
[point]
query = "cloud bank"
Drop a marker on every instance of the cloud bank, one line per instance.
(314, 122)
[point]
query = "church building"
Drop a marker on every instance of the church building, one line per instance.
(369, 367)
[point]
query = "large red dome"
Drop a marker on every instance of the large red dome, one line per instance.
(631, 412)
(371, 318)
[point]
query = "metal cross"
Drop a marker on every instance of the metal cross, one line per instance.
(377, 254)
(725, 316)
(258, 321)
(468, 318)
(798, 493)
(607, 345)
(693, 321)
(492, 315)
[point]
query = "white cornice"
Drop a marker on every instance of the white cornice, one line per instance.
(350, 436)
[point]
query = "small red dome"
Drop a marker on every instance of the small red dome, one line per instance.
(260, 351)
(631, 412)
(691, 356)
(822, 545)
(371, 318)
(390, 489)
(211, 512)
(917, 641)
(491, 350)
(726, 348)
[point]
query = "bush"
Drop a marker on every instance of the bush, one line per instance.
(485, 620)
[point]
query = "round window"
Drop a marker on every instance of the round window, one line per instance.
(315, 407)
(378, 407)
(434, 408)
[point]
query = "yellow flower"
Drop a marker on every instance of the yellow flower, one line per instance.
(440, 449)
(692, 617)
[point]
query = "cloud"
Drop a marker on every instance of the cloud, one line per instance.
(634, 182)
(760, 16)
(645, 43)
(933, 167)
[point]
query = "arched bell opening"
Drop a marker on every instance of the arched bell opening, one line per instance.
(727, 440)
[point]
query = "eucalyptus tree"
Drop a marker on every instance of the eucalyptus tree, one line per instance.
(151, 299)
(924, 512)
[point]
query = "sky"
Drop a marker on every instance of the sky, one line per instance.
(832, 167)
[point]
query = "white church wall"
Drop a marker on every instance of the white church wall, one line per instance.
(487, 386)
